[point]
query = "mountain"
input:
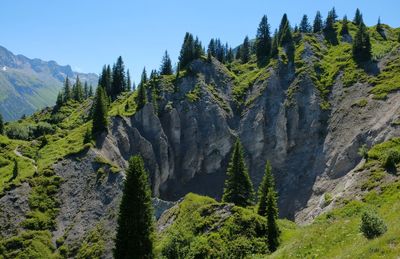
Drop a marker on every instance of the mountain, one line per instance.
(27, 85)
(309, 114)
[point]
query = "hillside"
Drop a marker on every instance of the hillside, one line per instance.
(27, 85)
(308, 115)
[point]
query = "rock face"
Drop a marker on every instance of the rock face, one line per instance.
(186, 144)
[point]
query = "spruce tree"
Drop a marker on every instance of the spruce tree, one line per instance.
(358, 19)
(266, 183)
(118, 84)
(59, 101)
(77, 92)
(345, 28)
(67, 90)
(379, 29)
(282, 26)
(86, 90)
(362, 45)
(238, 187)
(329, 29)
(275, 45)
(238, 53)
(191, 50)
(229, 55)
(1, 125)
(143, 78)
(90, 91)
(99, 112)
(317, 27)
(135, 230)
(263, 41)
(305, 26)
(141, 98)
(166, 65)
(245, 50)
(128, 84)
(272, 218)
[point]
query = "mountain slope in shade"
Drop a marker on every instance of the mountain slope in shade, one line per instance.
(27, 85)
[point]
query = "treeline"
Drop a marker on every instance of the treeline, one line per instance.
(76, 91)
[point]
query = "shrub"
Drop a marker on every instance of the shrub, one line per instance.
(372, 225)
(363, 152)
(391, 158)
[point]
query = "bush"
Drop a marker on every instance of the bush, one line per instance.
(391, 158)
(17, 131)
(372, 225)
(363, 152)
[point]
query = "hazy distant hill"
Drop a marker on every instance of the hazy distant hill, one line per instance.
(30, 84)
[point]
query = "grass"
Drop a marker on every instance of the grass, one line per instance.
(195, 94)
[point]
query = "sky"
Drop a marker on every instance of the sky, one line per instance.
(87, 34)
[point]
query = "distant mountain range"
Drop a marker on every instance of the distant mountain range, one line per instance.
(27, 85)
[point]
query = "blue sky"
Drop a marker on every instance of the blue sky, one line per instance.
(89, 33)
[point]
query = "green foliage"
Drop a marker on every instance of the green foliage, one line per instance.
(238, 186)
(318, 24)
(245, 50)
(93, 245)
(1, 125)
(141, 99)
(191, 50)
(263, 41)
(135, 231)
(362, 45)
(200, 230)
(391, 158)
(266, 183)
(358, 18)
(195, 94)
(100, 121)
(372, 225)
(166, 65)
(344, 30)
(305, 26)
(363, 152)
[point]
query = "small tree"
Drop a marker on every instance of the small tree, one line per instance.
(345, 27)
(166, 65)
(317, 26)
(141, 98)
(372, 225)
(238, 187)
(135, 230)
(363, 152)
(245, 50)
(272, 218)
(266, 183)
(358, 18)
(99, 112)
(263, 41)
(1, 125)
(305, 26)
(362, 45)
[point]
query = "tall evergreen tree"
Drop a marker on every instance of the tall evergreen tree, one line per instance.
(191, 50)
(334, 14)
(67, 90)
(379, 29)
(305, 26)
(238, 53)
(266, 183)
(272, 218)
(245, 50)
(318, 25)
(128, 84)
(362, 45)
(143, 78)
(141, 98)
(90, 91)
(60, 100)
(329, 29)
(238, 187)
(263, 41)
(99, 112)
(118, 84)
(229, 55)
(282, 26)
(105, 79)
(358, 18)
(275, 45)
(135, 230)
(345, 27)
(166, 65)
(86, 90)
(77, 92)
(1, 125)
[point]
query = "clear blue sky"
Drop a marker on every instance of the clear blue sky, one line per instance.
(89, 33)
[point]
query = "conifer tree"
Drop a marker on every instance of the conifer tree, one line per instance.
(86, 90)
(272, 218)
(305, 26)
(143, 78)
(135, 230)
(329, 30)
(245, 50)
(317, 27)
(67, 90)
(15, 170)
(282, 26)
(362, 45)
(229, 55)
(238, 53)
(334, 15)
(141, 98)
(128, 81)
(379, 29)
(266, 183)
(238, 187)
(1, 125)
(99, 112)
(275, 45)
(358, 18)
(345, 28)
(166, 65)
(118, 84)
(398, 38)
(90, 91)
(77, 92)
(59, 101)
(263, 41)
(191, 50)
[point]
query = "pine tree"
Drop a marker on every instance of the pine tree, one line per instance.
(245, 50)
(266, 183)
(362, 45)
(317, 27)
(128, 81)
(105, 79)
(238, 53)
(143, 78)
(77, 90)
(334, 15)
(238, 187)
(282, 26)
(379, 29)
(99, 112)
(272, 217)
(1, 125)
(141, 98)
(275, 45)
(166, 65)
(229, 55)
(305, 26)
(345, 28)
(263, 41)
(358, 18)
(329, 29)
(67, 90)
(191, 50)
(90, 91)
(135, 230)
(86, 90)
(59, 101)
(118, 84)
